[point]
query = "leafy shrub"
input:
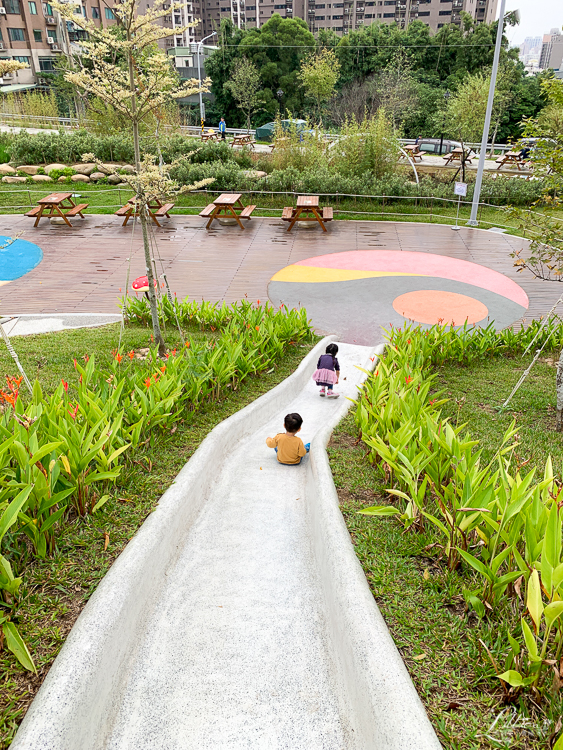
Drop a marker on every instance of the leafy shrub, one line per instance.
(54, 174)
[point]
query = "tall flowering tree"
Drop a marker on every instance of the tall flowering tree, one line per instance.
(123, 66)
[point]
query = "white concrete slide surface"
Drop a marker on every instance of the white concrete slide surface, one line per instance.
(238, 616)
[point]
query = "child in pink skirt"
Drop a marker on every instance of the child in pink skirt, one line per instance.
(328, 371)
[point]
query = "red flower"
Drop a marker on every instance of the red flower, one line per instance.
(117, 356)
(65, 385)
(131, 354)
(408, 380)
(257, 328)
(74, 411)
(75, 363)
(162, 369)
(257, 301)
(409, 341)
(9, 398)
(86, 358)
(187, 344)
(376, 373)
(173, 352)
(148, 382)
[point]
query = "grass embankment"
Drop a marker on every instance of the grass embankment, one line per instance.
(106, 199)
(55, 590)
(419, 598)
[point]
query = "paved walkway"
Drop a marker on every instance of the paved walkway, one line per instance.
(84, 269)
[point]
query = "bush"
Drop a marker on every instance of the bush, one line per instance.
(54, 174)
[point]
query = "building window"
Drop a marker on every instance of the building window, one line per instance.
(109, 14)
(21, 58)
(32, 8)
(423, 12)
(388, 15)
(95, 12)
(445, 13)
(46, 64)
(370, 15)
(52, 34)
(13, 6)
(16, 35)
(390, 2)
(37, 35)
(47, 9)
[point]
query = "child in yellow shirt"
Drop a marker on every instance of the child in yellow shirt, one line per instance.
(288, 446)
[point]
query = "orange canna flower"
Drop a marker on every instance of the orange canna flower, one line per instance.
(131, 354)
(257, 328)
(75, 363)
(162, 369)
(73, 412)
(187, 344)
(65, 385)
(148, 382)
(408, 380)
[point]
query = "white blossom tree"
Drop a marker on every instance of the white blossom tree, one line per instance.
(10, 66)
(123, 66)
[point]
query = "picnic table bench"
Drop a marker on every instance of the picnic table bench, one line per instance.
(307, 209)
(456, 155)
(227, 205)
(156, 209)
(413, 151)
(243, 140)
(212, 136)
(57, 204)
(511, 157)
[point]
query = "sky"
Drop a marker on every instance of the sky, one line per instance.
(537, 17)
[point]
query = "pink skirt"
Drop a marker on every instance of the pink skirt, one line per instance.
(324, 377)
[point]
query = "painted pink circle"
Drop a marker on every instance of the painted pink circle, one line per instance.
(432, 306)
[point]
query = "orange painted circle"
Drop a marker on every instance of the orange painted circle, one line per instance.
(432, 306)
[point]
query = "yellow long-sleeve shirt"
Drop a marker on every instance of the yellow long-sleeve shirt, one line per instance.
(290, 448)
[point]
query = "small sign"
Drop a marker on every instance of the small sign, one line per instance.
(461, 189)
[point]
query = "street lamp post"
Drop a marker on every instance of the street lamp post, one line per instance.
(201, 109)
(481, 168)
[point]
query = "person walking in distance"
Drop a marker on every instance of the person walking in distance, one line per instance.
(223, 128)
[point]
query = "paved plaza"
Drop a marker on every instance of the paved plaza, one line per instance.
(378, 277)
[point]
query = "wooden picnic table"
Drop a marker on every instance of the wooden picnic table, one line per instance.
(227, 204)
(243, 140)
(307, 209)
(157, 210)
(456, 155)
(414, 151)
(57, 204)
(511, 157)
(210, 136)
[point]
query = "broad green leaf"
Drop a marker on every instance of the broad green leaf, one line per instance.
(102, 501)
(559, 744)
(477, 564)
(513, 678)
(552, 612)
(42, 452)
(534, 600)
(530, 641)
(10, 515)
(552, 539)
(15, 643)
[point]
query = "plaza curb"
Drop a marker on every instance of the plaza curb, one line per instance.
(76, 706)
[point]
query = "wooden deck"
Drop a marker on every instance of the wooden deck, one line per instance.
(84, 269)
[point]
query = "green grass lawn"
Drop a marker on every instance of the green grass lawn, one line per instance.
(105, 199)
(419, 598)
(54, 591)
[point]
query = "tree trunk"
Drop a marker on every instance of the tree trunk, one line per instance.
(559, 388)
(141, 205)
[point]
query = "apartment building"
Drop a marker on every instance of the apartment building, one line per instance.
(31, 32)
(347, 15)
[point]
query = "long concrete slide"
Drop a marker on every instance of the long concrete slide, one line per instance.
(238, 616)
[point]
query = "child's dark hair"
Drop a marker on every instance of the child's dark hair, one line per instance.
(293, 422)
(332, 349)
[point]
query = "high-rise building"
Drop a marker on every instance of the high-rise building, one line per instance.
(552, 50)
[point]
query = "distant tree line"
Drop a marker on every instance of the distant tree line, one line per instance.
(413, 74)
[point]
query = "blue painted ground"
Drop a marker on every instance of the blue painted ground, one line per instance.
(17, 258)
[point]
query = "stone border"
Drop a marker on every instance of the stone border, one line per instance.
(74, 707)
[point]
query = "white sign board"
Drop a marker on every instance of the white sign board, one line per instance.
(461, 189)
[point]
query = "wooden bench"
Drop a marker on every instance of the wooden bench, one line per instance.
(208, 210)
(327, 213)
(34, 211)
(246, 212)
(287, 214)
(164, 209)
(77, 210)
(124, 210)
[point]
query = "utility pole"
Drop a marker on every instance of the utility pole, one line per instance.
(482, 156)
(201, 107)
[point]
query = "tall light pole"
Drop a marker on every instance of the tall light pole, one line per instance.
(199, 46)
(485, 140)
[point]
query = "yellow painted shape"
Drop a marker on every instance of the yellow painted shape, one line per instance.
(4, 282)
(316, 275)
